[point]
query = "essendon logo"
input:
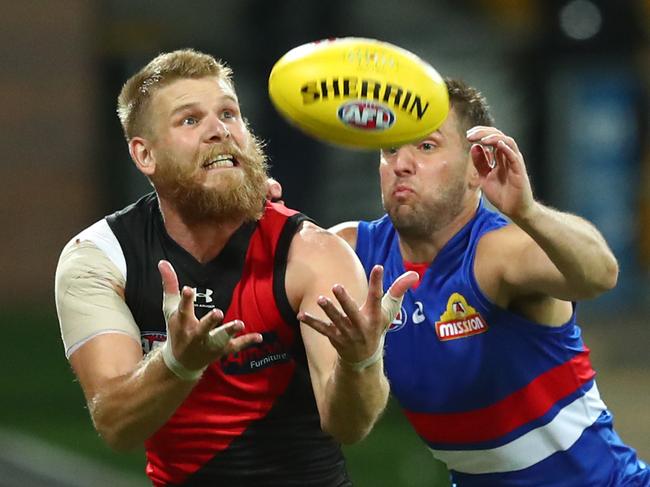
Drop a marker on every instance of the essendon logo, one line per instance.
(366, 115)
(150, 340)
(459, 320)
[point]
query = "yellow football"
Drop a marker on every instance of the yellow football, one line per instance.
(359, 92)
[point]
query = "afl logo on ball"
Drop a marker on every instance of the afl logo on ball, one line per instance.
(366, 115)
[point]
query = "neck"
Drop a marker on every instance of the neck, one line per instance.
(425, 248)
(204, 240)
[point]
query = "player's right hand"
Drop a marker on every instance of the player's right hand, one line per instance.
(197, 343)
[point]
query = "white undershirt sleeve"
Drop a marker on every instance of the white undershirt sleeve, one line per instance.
(89, 294)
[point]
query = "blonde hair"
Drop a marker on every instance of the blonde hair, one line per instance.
(134, 99)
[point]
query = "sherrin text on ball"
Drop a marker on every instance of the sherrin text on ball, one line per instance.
(359, 92)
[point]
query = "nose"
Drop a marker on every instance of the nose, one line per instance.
(404, 162)
(216, 130)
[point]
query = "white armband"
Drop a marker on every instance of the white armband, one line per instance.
(178, 368)
(170, 305)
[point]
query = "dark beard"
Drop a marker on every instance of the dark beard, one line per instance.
(236, 198)
(426, 218)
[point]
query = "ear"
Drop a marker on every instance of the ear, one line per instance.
(142, 155)
(473, 177)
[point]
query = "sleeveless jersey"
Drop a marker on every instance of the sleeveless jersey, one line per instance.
(502, 400)
(252, 418)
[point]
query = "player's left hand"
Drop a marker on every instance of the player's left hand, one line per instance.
(356, 332)
(504, 181)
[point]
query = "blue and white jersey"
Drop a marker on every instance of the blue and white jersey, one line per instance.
(502, 400)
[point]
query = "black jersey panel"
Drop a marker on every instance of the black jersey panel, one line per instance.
(259, 458)
(141, 232)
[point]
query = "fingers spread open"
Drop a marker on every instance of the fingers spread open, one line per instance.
(211, 320)
(171, 297)
(219, 337)
(348, 304)
(168, 276)
(243, 341)
(186, 306)
(323, 327)
(403, 283)
(375, 285)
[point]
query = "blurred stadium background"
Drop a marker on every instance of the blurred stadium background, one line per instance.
(569, 79)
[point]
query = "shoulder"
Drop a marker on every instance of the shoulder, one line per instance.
(502, 240)
(84, 265)
(317, 260)
(316, 252)
(497, 251)
(347, 231)
(97, 244)
(314, 241)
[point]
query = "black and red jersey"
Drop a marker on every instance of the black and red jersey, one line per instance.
(252, 419)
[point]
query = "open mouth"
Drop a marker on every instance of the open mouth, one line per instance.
(221, 161)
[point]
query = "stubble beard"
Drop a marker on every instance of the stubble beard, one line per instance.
(422, 219)
(239, 194)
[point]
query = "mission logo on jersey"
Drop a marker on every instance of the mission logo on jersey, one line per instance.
(459, 320)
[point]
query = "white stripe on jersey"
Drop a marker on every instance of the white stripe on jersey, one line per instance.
(103, 237)
(533, 447)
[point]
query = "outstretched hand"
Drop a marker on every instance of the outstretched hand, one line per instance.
(356, 332)
(197, 343)
(501, 166)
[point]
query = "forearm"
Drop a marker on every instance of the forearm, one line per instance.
(575, 246)
(128, 409)
(354, 401)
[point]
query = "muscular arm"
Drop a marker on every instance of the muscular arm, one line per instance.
(349, 401)
(546, 252)
(128, 397)
(567, 257)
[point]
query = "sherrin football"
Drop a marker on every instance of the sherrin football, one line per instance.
(359, 92)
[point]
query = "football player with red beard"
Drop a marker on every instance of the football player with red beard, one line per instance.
(238, 368)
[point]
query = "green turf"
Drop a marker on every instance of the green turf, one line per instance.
(41, 397)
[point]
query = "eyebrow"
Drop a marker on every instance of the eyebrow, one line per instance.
(434, 134)
(182, 108)
(190, 105)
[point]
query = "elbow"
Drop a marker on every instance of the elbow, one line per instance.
(114, 432)
(611, 278)
(117, 438)
(346, 436)
(608, 278)
(120, 443)
(352, 439)
(604, 281)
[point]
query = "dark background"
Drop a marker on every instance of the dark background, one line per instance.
(568, 79)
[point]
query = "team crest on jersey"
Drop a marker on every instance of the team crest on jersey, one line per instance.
(399, 321)
(150, 340)
(459, 320)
